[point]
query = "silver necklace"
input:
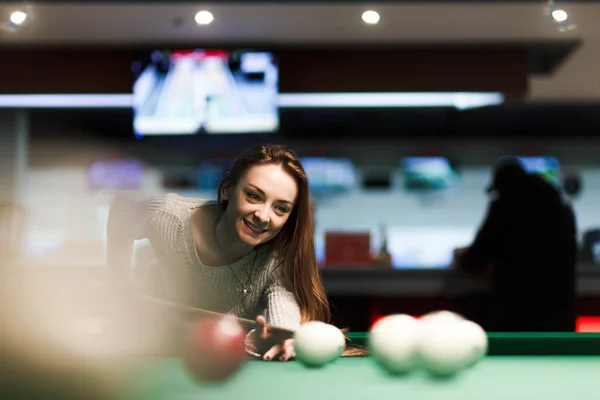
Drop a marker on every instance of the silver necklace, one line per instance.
(243, 287)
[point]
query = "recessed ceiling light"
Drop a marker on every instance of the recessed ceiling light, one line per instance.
(370, 17)
(560, 15)
(204, 17)
(18, 17)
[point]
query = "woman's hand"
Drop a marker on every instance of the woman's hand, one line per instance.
(263, 343)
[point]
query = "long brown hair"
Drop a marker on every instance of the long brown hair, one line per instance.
(295, 242)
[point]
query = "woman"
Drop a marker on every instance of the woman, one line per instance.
(251, 253)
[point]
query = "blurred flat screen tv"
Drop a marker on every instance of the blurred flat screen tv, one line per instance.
(427, 174)
(210, 173)
(115, 175)
(187, 92)
(546, 167)
(328, 176)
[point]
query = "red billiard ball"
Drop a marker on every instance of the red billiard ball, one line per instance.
(215, 349)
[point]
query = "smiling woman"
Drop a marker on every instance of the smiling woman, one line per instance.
(251, 253)
(252, 214)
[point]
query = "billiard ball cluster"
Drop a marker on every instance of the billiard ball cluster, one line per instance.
(443, 343)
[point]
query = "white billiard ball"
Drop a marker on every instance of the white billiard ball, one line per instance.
(444, 348)
(441, 315)
(478, 341)
(393, 341)
(317, 343)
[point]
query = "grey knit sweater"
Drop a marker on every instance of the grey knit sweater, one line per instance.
(165, 222)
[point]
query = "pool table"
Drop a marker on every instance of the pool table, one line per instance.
(518, 366)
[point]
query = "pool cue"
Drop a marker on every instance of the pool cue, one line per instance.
(350, 351)
(201, 313)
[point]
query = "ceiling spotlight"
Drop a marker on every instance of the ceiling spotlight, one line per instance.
(560, 15)
(204, 17)
(370, 17)
(18, 17)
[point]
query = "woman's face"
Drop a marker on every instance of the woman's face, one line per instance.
(260, 204)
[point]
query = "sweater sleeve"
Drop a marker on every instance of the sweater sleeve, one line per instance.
(281, 306)
(129, 214)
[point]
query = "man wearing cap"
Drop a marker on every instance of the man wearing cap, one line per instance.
(528, 240)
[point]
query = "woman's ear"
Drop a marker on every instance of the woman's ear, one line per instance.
(225, 194)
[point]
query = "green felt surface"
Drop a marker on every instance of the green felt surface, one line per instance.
(520, 366)
(501, 377)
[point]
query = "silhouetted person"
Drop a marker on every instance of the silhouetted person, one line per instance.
(528, 240)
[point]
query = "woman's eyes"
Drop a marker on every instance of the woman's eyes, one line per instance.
(255, 197)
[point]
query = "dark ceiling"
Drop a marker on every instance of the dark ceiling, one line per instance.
(547, 57)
